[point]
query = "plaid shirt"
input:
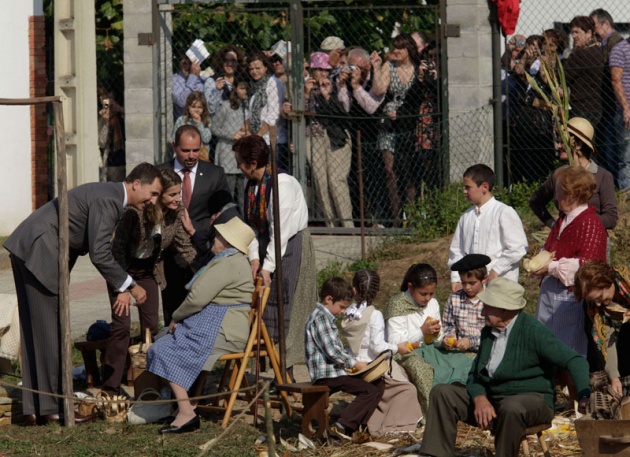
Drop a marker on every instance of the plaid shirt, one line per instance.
(325, 355)
(463, 318)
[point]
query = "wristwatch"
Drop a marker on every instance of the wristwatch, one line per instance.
(132, 285)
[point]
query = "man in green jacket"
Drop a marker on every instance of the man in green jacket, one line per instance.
(510, 385)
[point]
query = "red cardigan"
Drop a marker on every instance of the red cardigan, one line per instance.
(584, 238)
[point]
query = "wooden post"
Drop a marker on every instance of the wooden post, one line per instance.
(64, 276)
(64, 248)
(278, 251)
(361, 205)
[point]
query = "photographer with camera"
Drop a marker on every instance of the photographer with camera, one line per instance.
(328, 144)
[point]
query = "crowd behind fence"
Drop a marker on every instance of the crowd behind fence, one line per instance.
(400, 129)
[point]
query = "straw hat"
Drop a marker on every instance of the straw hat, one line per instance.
(582, 129)
(503, 293)
(237, 233)
(332, 42)
(376, 368)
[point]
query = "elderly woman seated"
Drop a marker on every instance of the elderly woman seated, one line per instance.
(212, 320)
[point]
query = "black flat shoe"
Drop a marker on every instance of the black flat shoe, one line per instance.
(190, 426)
(165, 420)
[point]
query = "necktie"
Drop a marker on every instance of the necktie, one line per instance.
(186, 188)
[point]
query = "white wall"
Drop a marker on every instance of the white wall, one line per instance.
(15, 127)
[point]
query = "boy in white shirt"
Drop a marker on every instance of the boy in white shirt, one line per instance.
(489, 227)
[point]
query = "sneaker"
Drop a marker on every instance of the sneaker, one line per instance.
(334, 432)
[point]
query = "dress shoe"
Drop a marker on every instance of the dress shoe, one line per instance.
(165, 420)
(190, 426)
(59, 419)
(31, 419)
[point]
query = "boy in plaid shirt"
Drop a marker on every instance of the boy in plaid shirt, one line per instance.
(327, 360)
(462, 319)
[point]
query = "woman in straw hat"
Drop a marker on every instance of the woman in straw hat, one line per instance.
(579, 235)
(212, 320)
(603, 199)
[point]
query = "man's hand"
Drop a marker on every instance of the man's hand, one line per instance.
(492, 275)
(358, 366)
(139, 294)
(403, 349)
(266, 275)
(484, 412)
(255, 266)
(122, 303)
(172, 326)
(449, 342)
(463, 344)
(455, 286)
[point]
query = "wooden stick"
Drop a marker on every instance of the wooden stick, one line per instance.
(64, 276)
(29, 101)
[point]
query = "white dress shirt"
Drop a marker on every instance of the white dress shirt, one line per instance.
(401, 329)
(495, 230)
(293, 219)
(178, 168)
(498, 347)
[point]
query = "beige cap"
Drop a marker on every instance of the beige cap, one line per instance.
(237, 233)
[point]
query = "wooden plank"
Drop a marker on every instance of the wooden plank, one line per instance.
(303, 387)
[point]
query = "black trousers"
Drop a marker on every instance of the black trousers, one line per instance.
(368, 395)
(41, 342)
(449, 404)
(118, 341)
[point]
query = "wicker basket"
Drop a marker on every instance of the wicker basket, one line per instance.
(138, 355)
(112, 409)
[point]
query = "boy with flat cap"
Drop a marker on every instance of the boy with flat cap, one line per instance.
(510, 385)
(462, 319)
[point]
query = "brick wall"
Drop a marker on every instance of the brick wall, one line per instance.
(37, 87)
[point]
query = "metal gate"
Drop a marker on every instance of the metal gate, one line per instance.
(351, 164)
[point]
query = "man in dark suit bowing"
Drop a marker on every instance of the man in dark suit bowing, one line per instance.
(93, 211)
(200, 181)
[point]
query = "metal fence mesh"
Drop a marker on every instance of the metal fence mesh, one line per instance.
(381, 150)
(570, 31)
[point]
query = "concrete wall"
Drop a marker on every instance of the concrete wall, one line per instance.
(15, 131)
(470, 86)
(139, 111)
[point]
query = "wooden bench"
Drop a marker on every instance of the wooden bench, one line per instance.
(315, 405)
(88, 351)
(535, 430)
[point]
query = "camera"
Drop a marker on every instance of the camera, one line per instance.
(350, 67)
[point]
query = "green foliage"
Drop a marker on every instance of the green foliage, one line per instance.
(332, 268)
(109, 46)
(359, 23)
(436, 215)
(362, 265)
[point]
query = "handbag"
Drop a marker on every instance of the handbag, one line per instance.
(148, 412)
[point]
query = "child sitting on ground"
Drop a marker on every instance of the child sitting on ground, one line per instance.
(489, 227)
(364, 329)
(413, 316)
(327, 360)
(462, 317)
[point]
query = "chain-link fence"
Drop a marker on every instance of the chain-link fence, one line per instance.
(361, 126)
(574, 42)
(111, 89)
